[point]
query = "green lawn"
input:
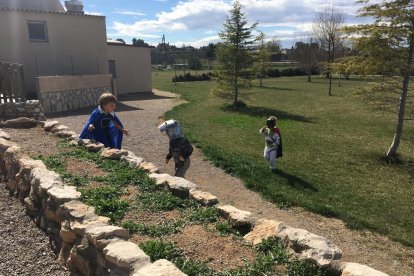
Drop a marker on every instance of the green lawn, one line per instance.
(333, 148)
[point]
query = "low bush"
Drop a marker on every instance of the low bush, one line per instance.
(188, 77)
(163, 201)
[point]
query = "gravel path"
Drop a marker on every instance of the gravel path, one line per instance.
(24, 248)
(141, 114)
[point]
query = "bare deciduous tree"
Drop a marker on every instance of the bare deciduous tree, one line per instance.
(327, 29)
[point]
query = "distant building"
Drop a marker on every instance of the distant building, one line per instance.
(50, 40)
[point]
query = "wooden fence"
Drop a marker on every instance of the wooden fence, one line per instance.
(11, 83)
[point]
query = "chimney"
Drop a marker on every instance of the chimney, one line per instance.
(74, 6)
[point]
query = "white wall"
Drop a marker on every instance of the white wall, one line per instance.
(77, 38)
(133, 66)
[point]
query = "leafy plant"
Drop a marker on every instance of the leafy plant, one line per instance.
(164, 229)
(303, 268)
(158, 249)
(203, 215)
(162, 201)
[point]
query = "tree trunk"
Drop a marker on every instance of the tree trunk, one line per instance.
(392, 151)
(339, 81)
(309, 77)
(330, 85)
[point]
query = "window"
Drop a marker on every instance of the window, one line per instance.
(37, 31)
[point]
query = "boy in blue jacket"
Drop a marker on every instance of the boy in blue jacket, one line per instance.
(103, 125)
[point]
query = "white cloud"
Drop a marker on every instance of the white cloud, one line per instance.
(278, 18)
(199, 42)
(132, 13)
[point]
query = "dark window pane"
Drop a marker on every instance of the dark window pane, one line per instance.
(37, 31)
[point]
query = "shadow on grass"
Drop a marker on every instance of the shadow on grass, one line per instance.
(264, 87)
(257, 111)
(296, 182)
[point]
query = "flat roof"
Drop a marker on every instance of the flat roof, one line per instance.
(50, 12)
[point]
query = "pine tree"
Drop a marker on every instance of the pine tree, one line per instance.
(234, 56)
(387, 45)
(262, 59)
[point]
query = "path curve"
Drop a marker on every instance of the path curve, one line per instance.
(141, 115)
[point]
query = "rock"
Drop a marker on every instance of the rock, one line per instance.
(27, 165)
(65, 134)
(94, 147)
(5, 144)
(74, 137)
(67, 236)
(84, 142)
(80, 227)
(149, 167)
(310, 246)
(58, 128)
(30, 205)
(264, 229)
(74, 143)
(48, 125)
(61, 195)
(4, 135)
(21, 122)
(132, 159)
(42, 180)
(236, 217)
(180, 187)
(204, 198)
(77, 211)
(159, 268)
(52, 215)
(114, 154)
(125, 254)
(78, 265)
(354, 269)
(95, 233)
(161, 179)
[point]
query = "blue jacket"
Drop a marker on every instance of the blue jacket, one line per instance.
(105, 131)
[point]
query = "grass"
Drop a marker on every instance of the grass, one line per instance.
(333, 148)
(271, 254)
(164, 229)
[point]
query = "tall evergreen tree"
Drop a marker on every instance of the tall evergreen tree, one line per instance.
(234, 56)
(387, 45)
(261, 66)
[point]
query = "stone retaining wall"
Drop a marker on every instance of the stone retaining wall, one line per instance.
(69, 93)
(31, 109)
(88, 245)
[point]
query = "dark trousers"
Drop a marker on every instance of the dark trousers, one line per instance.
(181, 167)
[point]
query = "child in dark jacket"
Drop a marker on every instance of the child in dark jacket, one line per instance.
(180, 148)
(103, 125)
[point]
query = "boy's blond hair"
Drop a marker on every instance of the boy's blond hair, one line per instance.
(107, 98)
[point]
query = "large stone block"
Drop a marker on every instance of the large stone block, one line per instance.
(79, 227)
(149, 167)
(22, 122)
(180, 187)
(159, 268)
(309, 246)
(58, 128)
(61, 195)
(132, 159)
(4, 135)
(65, 134)
(354, 269)
(264, 229)
(95, 233)
(42, 180)
(94, 147)
(236, 217)
(77, 211)
(4, 145)
(48, 125)
(126, 255)
(160, 179)
(114, 154)
(204, 198)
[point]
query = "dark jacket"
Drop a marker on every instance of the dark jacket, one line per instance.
(180, 147)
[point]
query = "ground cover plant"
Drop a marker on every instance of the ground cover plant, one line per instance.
(334, 146)
(122, 193)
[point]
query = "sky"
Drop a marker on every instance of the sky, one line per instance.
(197, 22)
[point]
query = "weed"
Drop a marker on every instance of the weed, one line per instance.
(224, 228)
(164, 229)
(203, 215)
(158, 249)
(163, 201)
(303, 268)
(193, 268)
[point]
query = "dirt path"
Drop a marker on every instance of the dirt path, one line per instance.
(24, 248)
(140, 114)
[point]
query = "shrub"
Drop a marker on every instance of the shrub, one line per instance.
(163, 201)
(187, 77)
(158, 249)
(203, 215)
(164, 229)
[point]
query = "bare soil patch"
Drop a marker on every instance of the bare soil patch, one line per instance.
(83, 168)
(221, 253)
